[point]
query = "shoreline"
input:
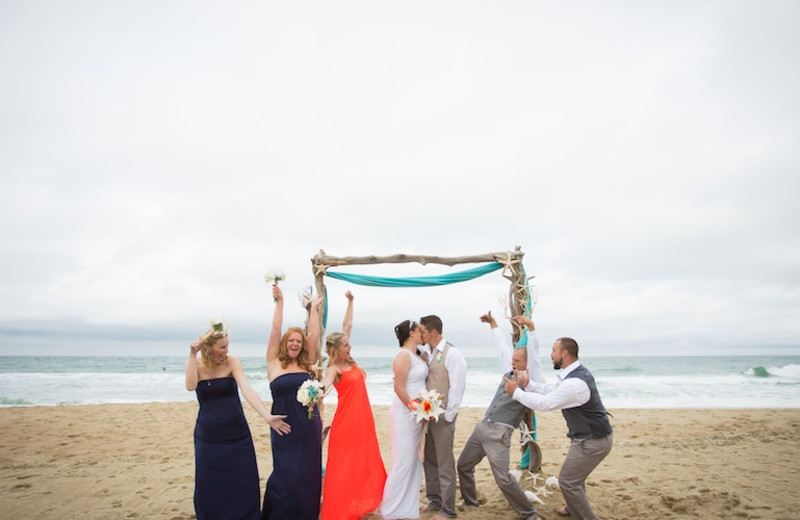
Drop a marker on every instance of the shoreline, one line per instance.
(137, 461)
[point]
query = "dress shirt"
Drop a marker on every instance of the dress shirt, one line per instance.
(568, 393)
(504, 354)
(456, 367)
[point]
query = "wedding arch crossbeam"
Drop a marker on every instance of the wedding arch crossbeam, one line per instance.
(510, 262)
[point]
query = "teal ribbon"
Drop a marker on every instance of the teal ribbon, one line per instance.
(523, 338)
(523, 342)
(416, 281)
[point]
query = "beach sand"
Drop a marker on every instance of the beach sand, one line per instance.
(137, 461)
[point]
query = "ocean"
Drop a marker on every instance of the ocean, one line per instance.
(624, 382)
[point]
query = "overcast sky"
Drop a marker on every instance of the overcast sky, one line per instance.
(157, 158)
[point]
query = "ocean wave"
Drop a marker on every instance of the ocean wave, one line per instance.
(788, 372)
(623, 383)
(14, 401)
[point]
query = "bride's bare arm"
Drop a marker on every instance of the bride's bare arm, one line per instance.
(400, 367)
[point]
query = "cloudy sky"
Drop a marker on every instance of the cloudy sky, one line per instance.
(157, 158)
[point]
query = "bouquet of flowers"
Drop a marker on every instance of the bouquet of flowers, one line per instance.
(219, 325)
(274, 276)
(309, 393)
(429, 405)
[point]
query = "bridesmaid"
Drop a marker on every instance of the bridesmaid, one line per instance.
(354, 473)
(294, 487)
(401, 494)
(226, 474)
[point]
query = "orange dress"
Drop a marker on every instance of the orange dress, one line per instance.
(354, 473)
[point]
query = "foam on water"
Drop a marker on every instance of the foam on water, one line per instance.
(732, 382)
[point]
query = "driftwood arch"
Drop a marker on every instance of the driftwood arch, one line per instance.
(519, 302)
(513, 271)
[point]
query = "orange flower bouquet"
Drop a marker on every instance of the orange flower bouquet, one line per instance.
(426, 406)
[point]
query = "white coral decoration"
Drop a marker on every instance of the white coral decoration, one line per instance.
(275, 275)
(220, 325)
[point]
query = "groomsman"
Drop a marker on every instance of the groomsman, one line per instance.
(447, 374)
(491, 437)
(588, 427)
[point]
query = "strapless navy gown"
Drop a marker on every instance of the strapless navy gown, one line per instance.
(293, 489)
(226, 473)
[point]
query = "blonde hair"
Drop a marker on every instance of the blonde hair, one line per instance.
(209, 340)
(303, 359)
(332, 344)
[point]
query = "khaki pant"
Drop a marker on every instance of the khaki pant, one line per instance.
(583, 456)
(492, 440)
(440, 466)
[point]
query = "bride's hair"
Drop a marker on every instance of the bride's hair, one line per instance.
(403, 330)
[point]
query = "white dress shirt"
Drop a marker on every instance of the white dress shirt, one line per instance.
(568, 393)
(456, 367)
(504, 354)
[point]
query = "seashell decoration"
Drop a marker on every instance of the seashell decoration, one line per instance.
(532, 497)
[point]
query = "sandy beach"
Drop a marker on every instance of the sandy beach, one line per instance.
(136, 461)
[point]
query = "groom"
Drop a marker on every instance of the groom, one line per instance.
(447, 374)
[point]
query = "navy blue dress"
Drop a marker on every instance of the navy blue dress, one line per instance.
(226, 473)
(293, 489)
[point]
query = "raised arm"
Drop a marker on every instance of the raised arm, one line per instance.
(500, 343)
(347, 322)
(191, 365)
(534, 362)
(313, 328)
(274, 345)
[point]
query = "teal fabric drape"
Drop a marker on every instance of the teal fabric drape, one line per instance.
(416, 281)
(523, 338)
(523, 342)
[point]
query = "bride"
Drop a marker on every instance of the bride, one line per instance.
(401, 492)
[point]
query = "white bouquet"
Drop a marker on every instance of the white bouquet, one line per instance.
(275, 275)
(309, 393)
(429, 405)
(220, 326)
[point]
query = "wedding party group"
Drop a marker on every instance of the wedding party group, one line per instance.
(430, 377)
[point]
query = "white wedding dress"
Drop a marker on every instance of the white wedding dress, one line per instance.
(401, 492)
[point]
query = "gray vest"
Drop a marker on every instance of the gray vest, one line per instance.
(589, 419)
(504, 409)
(438, 378)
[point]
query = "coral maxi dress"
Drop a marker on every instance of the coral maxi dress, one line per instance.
(354, 473)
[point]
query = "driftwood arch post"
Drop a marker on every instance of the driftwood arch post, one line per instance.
(513, 271)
